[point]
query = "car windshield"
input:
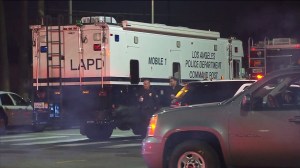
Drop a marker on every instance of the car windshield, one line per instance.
(207, 92)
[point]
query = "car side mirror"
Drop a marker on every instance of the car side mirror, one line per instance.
(246, 102)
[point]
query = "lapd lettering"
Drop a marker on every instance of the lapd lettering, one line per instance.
(156, 61)
(195, 54)
(203, 64)
(203, 55)
(192, 63)
(213, 75)
(203, 75)
(198, 74)
(87, 64)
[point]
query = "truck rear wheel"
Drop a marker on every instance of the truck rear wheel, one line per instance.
(194, 154)
(98, 132)
(139, 129)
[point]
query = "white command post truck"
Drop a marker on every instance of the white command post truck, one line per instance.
(86, 72)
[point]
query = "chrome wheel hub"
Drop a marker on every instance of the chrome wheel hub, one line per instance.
(191, 160)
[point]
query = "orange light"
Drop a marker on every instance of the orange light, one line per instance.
(85, 92)
(57, 92)
(152, 125)
(259, 76)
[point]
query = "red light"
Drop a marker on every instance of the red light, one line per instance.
(102, 93)
(259, 76)
(97, 47)
(175, 104)
(185, 104)
(297, 46)
(253, 49)
(41, 94)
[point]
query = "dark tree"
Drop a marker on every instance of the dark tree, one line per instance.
(4, 67)
(24, 63)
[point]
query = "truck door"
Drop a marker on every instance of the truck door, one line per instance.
(134, 72)
(270, 130)
(236, 69)
(176, 71)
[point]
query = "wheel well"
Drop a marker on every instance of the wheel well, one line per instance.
(180, 137)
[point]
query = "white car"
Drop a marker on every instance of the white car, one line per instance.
(16, 112)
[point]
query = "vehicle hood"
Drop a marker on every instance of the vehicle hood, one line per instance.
(193, 117)
(183, 108)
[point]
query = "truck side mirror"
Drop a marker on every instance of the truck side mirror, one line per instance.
(246, 102)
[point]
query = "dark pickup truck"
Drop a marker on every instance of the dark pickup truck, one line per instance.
(259, 127)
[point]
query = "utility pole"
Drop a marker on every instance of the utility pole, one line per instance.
(70, 12)
(4, 68)
(152, 11)
(23, 66)
(41, 10)
(230, 57)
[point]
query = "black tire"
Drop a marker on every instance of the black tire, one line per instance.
(139, 129)
(194, 153)
(98, 132)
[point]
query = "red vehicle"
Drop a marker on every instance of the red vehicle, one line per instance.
(269, 55)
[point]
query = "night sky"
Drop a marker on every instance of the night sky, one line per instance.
(241, 19)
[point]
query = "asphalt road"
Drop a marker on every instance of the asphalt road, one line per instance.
(69, 149)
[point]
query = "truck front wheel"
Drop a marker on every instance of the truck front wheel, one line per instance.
(140, 129)
(98, 132)
(194, 154)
